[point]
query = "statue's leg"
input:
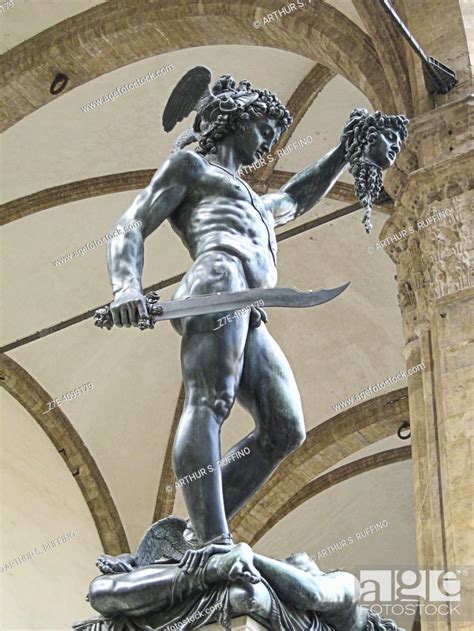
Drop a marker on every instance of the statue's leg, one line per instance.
(153, 589)
(142, 591)
(150, 590)
(269, 392)
(212, 365)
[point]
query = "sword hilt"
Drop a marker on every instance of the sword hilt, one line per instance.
(103, 316)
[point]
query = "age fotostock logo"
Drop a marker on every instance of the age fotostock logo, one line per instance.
(396, 591)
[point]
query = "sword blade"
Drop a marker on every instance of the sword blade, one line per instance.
(227, 301)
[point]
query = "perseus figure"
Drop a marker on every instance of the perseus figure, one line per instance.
(229, 232)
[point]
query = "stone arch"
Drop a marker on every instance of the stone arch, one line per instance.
(59, 429)
(116, 33)
(389, 44)
(330, 479)
(325, 445)
(127, 181)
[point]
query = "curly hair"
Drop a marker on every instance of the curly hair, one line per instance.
(233, 109)
(363, 129)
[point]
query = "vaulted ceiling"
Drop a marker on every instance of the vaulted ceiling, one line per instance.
(100, 466)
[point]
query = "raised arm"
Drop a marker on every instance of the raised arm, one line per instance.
(125, 253)
(307, 187)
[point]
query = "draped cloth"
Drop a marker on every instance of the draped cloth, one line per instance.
(212, 605)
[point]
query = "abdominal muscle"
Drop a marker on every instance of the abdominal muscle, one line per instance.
(236, 229)
(257, 265)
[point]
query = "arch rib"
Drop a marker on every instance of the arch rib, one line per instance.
(117, 33)
(59, 429)
(330, 479)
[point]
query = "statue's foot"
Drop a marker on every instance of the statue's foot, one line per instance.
(108, 564)
(237, 564)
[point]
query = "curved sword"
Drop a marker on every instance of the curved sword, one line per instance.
(224, 301)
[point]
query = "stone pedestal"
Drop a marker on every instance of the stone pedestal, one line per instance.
(244, 623)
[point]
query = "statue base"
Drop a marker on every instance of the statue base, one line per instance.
(194, 595)
(244, 623)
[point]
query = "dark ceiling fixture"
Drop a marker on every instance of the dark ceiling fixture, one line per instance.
(404, 432)
(59, 83)
(439, 79)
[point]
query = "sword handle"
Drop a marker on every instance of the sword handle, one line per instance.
(103, 316)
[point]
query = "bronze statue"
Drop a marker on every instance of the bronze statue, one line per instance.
(229, 231)
(220, 582)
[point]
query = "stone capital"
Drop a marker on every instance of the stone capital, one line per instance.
(438, 159)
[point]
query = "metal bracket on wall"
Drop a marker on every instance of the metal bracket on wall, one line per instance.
(439, 79)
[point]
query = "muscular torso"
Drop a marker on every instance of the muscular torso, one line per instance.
(222, 213)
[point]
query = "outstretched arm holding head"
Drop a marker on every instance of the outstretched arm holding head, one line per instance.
(308, 187)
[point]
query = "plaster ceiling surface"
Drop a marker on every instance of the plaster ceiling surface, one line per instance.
(382, 499)
(347, 7)
(30, 17)
(60, 143)
(41, 502)
(391, 442)
(27, 18)
(335, 350)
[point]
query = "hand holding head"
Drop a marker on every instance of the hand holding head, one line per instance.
(372, 143)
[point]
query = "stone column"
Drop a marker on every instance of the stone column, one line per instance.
(430, 240)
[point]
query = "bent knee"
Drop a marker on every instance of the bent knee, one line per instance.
(218, 403)
(101, 596)
(248, 598)
(282, 443)
(295, 439)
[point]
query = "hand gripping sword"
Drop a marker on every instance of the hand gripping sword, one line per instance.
(222, 301)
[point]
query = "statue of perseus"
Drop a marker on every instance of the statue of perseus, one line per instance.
(229, 232)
